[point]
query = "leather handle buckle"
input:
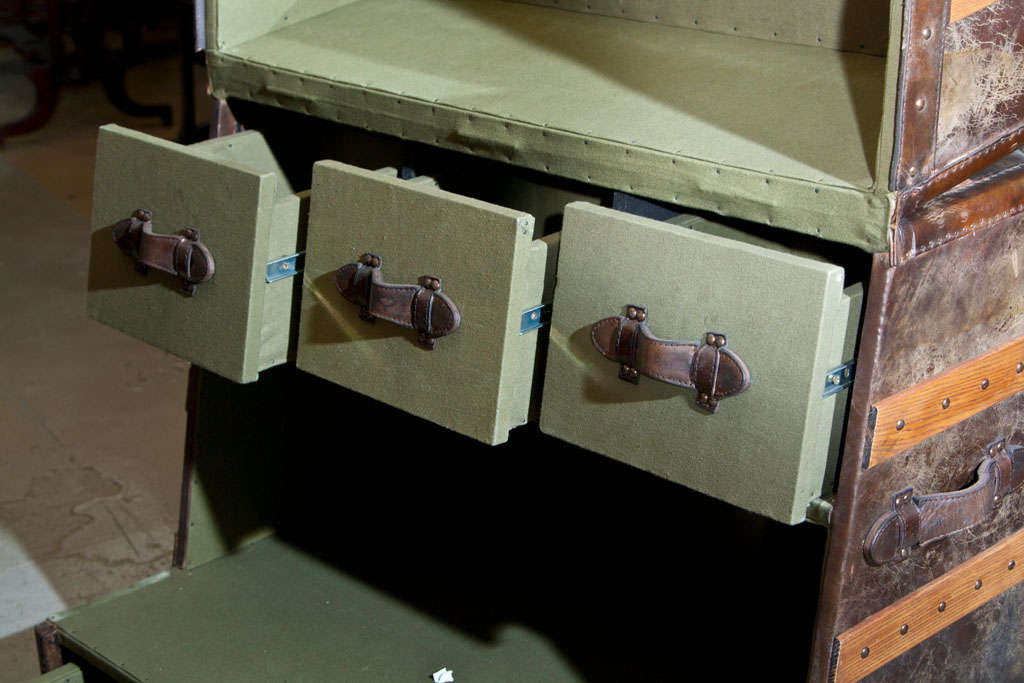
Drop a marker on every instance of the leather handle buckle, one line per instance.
(183, 256)
(422, 307)
(715, 371)
(916, 521)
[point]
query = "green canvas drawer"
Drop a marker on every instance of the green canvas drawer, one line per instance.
(233, 193)
(476, 380)
(785, 316)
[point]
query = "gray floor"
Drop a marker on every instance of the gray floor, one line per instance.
(93, 421)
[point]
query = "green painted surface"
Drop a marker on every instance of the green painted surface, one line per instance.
(272, 612)
(698, 118)
(69, 673)
(230, 190)
(475, 382)
(766, 449)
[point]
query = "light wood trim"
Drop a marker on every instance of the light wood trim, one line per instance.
(998, 568)
(958, 9)
(920, 407)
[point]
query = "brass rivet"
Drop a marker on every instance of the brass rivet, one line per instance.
(926, 32)
(865, 652)
(977, 585)
(942, 606)
(900, 424)
(945, 403)
(703, 397)
(904, 629)
(1011, 565)
(919, 103)
(710, 338)
(912, 171)
(630, 311)
(995, 499)
(984, 384)
(904, 552)
(1020, 367)
(640, 315)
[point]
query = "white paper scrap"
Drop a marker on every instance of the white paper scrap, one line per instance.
(444, 676)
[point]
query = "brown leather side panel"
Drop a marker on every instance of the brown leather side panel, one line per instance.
(982, 87)
(927, 315)
(988, 198)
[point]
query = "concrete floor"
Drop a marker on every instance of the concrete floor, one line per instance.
(93, 421)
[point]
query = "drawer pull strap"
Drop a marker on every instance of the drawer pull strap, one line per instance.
(181, 255)
(707, 365)
(921, 520)
(421, 307)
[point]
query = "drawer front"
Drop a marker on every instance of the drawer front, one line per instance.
(784, 316)
(478, 378)
(232, 193)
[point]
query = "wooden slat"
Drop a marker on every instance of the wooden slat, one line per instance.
(958, 9)
(880, 638)
(914, 414)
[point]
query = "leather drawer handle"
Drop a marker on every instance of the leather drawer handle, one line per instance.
(707, 366)
(915, 521)
(421, 307)
(181, 255)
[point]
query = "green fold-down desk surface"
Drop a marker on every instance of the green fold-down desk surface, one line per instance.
(792, 135)
(274, 613)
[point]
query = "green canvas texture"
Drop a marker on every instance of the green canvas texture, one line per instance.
(783, 134)
(257, 615)
(478, 380)
(764, 450)
(229, 190)
(69, 673)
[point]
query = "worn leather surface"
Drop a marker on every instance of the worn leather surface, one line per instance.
(179, 255)
(982, 97)
(421, 307)
(976, 203)
(918, 520)
(715, 371)
(918, 96)
(925, 316)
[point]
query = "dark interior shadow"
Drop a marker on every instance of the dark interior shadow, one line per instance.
(630, 577)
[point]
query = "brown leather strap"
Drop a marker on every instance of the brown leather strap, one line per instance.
(707, 366)
(920, 520)
(421, 307)
(181, 255)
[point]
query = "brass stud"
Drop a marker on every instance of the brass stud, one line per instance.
(904, 629)
(631, 311)
(900, 424)
(942, 606)
(912, 171)
(945, 403)
(710, 338)
(984, 384)
(720, 341)
(704, 397)
(1011, 565)
(1020, 367)
(865, 652)
(919, 103)
(977, 585)
(641, 315)
(995, 498)
(904, 552)
(926, 33)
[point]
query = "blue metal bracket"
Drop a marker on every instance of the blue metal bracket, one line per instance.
(287, 266)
